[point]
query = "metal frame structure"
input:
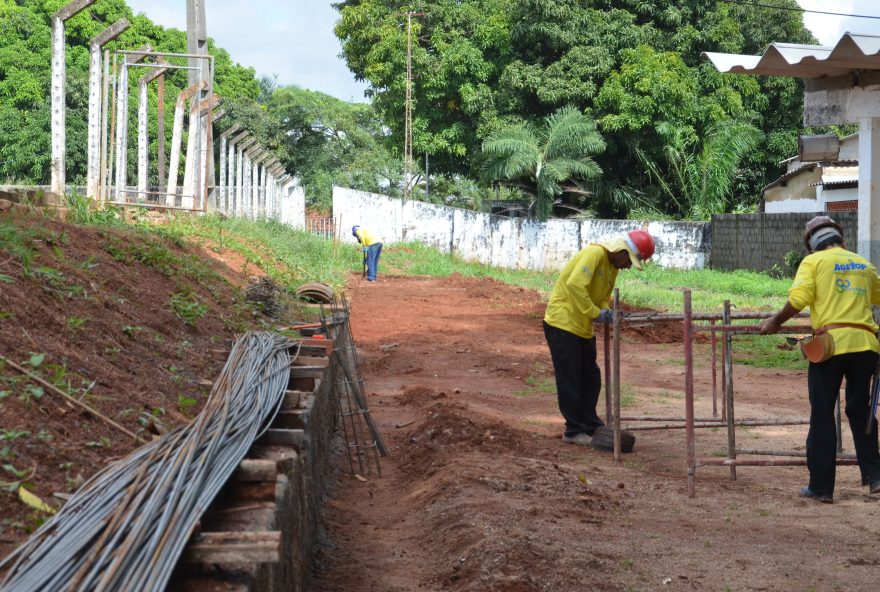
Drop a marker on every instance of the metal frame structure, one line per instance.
(194, 193)
(693, 323)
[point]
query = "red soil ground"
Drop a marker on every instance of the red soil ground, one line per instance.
(480, 493)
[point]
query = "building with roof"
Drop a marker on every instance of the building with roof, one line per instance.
(841, 85)
(817, 186)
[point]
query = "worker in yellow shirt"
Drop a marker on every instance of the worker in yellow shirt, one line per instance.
(839, 286)
(579, 299)
(371, 245)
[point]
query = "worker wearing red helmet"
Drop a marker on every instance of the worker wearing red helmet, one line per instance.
(579, 299)
(839, 286)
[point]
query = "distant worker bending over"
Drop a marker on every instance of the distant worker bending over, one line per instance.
(839, 286)
(580, 299)
(371, 245)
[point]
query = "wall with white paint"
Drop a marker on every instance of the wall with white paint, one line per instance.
(513, 243)
(293, 206)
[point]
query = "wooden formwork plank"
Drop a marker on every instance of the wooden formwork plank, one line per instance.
(235, 548)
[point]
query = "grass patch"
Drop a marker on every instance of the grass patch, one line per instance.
(627, 395)
(660, 289)
(536, 385)
(417, 259)
(764, 351)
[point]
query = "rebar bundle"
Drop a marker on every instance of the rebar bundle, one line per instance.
(127, 526)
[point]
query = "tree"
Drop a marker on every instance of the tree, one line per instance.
(699, 175)
(328, 141)
(25, 70)
(547, 157)
(482, 65)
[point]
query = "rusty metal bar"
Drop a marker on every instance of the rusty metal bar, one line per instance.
(606, 343)
(798, 453)
(753, 421)
(749, 462)
(616, 329)
(714, 372)
(728, 394)
(728, 328)
(689, 395)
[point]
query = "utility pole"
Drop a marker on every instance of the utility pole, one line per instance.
(407, 127)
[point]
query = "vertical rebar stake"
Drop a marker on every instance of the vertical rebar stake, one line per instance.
(714, 371)
(728, 392)
(616, 318)
(689, 395)
(606, 343)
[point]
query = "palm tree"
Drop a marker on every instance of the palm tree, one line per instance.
(545, 158)
(699, 178)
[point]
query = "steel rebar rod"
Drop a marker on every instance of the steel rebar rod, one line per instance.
(126, 527)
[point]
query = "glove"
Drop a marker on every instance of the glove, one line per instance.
(605, 316)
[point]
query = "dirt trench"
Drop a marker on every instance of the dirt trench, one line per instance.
(480, 493)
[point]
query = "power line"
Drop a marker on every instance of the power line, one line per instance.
(759, 5)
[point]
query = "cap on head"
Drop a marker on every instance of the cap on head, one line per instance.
(640, 245)
(354, 230)
(819, 230)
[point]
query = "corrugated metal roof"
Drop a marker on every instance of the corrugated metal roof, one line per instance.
(853, 51)
(839, 174)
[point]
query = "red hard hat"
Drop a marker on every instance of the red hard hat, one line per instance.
(643, 242)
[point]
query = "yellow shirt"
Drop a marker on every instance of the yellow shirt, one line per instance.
(839, 287)
(367, 238)
(584, 288)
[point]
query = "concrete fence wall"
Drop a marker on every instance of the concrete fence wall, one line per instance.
(512, 243)
(761, 241)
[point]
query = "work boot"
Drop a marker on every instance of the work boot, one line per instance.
(874, 487)
(579, 439)
(819, 497)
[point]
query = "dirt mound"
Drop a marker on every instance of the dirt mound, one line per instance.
(419, 395)
(447, 431)
(131, 323)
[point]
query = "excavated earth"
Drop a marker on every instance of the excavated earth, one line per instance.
(480, 493)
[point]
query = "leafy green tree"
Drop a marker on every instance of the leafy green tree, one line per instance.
(25, 70)
(700, 173)
(328, 141)
(544, 159)
(481, 65)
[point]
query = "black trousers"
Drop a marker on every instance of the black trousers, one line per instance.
(578, 381)
(823, 381)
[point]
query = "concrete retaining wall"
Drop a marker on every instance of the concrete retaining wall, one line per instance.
(287, 500)
(512, 243)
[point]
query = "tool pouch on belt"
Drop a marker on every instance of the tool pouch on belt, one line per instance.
(820, 346)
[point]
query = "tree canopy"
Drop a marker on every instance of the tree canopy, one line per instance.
(25, 78)
(482, 65)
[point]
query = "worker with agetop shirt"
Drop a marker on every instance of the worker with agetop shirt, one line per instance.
(579, 299)
(371, 245)
(839, 286)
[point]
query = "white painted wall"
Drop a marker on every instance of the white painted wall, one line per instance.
(792, 206)
(513, 243)
(293, 207)
(827, 196)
